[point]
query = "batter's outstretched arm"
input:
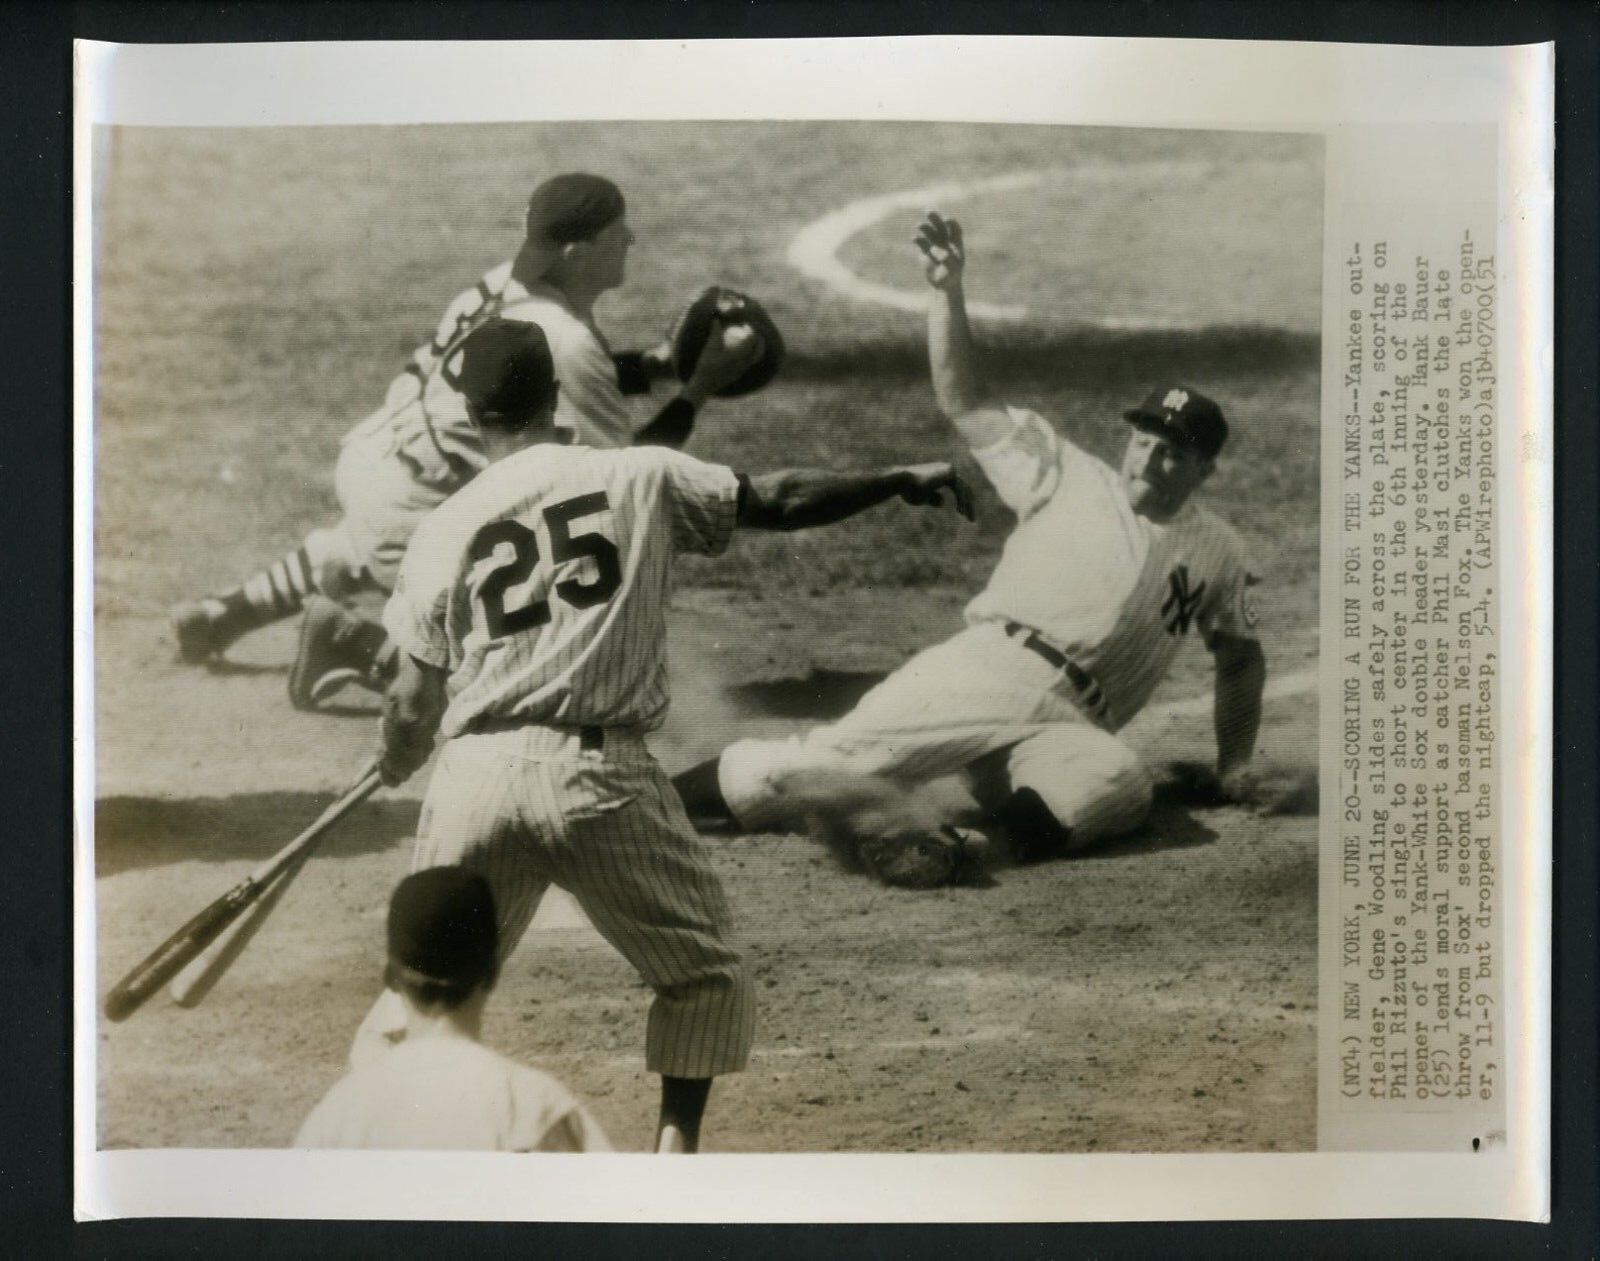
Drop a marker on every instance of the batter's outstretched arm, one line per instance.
(412, 708)
(1241, 676)
(800, 499)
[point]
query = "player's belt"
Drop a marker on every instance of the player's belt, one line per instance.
(1082, 681)
(590, 739)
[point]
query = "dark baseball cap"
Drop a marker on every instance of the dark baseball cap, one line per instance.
(573, 207)
(442, 926)
(506, 369)
(1183, 416)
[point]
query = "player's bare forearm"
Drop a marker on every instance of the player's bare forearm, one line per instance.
(413, 706)
(953, 355)
(671, 426)
(802, 499)
(1241, 677)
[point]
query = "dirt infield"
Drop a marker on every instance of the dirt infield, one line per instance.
(1157, 996)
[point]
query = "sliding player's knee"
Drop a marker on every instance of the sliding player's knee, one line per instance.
(750, 775)
(1095, 789)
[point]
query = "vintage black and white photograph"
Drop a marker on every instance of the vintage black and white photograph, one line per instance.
(726, 636)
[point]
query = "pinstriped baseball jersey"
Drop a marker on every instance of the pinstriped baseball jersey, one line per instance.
(423, 421)
(542, 586)
(1111, 589)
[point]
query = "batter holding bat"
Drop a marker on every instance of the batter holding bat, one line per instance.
(1106, 573)
(421, 446)
(529, 612)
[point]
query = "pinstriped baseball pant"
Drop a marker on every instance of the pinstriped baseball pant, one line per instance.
(977, 698)
(529, 808)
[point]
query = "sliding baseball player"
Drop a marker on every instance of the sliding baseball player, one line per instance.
(1107, 573)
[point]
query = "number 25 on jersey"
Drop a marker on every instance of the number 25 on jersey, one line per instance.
(525, 556)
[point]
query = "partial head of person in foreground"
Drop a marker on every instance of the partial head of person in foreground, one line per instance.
(506, 374)
(577, 235)
(443, 940)
(1177, 434)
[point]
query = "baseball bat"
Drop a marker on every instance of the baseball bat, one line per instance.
(190, 987)
(169, 958)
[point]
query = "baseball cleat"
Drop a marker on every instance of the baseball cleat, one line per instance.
(337, 648)
(195, 630)
(329, 685)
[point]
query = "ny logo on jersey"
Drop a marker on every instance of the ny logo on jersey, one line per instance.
(1181, 602)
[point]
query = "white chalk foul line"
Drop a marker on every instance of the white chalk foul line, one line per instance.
(814, 252)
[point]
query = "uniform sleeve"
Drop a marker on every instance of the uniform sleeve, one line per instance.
(577, 1131)
(590, 403)
(702, 500)
(416, 613)
(1027, 466)
(320, 1128)
(547, 1117)
(1233, 609)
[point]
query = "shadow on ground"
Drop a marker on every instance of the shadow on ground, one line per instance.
(1169, 827)
(137, 832)
(821, 696)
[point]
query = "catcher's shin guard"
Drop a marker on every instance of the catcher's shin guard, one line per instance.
(206, 628)
(338, 648)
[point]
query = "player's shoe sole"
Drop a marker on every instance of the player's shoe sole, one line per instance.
(329, 685)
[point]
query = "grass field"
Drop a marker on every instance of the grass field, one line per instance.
(256, 290)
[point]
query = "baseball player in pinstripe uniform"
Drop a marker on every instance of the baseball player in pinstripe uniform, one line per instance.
(1106, 573)
(420, 446)
(530, 614)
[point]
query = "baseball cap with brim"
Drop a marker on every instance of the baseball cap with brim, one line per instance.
(1182, 416)
(505, 367)
(442, 926)
(566, 208)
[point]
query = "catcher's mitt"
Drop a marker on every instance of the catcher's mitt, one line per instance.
(717, 308)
